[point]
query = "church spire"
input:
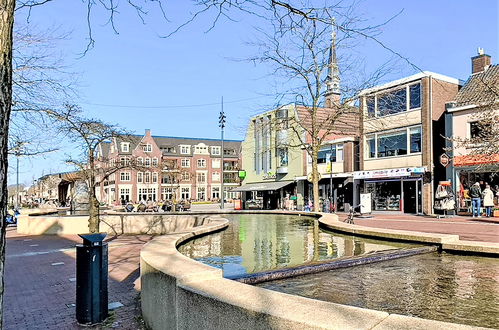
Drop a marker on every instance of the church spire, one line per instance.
(333, 92)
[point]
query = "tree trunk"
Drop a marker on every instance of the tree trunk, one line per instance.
(6, 26)
(315, 179)
(93, 221)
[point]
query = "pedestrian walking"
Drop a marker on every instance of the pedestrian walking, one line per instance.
(476, 195)
(488, 200)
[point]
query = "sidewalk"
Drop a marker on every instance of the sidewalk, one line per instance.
(472, 229)
(39, 290)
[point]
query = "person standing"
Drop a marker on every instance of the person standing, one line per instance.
(476, 195)
(488, 200)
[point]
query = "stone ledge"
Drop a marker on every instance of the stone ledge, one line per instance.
(180, 293)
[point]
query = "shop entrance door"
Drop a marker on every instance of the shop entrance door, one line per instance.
(412, 196)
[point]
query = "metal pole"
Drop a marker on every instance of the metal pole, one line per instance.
(222, 125)
(331, 180)
(17, 179)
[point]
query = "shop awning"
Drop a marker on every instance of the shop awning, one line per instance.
(262, 186)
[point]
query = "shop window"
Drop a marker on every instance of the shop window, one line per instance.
(125, 194)
(215, 192)
(415, 139)
(185, 193)
(392, 144)
(201, 193)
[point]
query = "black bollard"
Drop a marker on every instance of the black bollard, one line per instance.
(91, 279)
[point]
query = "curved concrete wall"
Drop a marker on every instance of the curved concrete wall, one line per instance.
(180, 293)
(111, 223)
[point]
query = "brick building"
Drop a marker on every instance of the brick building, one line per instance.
(402, 125)
(473, 117)
(168, 168)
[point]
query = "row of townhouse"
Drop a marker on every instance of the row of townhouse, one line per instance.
(162, 168)
(391, 150)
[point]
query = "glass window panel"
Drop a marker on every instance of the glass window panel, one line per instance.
(415, 96)
(339, 154)
(392, 102)
(371, 146)
(370, 107)
(393, 144)
(415, 141)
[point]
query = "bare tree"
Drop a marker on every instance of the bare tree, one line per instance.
(88, 134)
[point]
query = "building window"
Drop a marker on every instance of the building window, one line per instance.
(201, 163)
(169, 150)
(392, 144)
(140, 177)
(333, 154)
(155, 161)
(185, 193)
(125, 194)
(186, 163)
(480, 130)
(147, 194)
(147, 177)
(371, 146)
(147, 162)
(282, 154)
(415, 96)
(415, 139)
(147, 148)
(394, 101)
(215, 192)
(186, 176)
(125, 147)
(125, 161)
(201, 193)
(215, 176)
(167, 194)
(371, 107)
(140, 161)
(215, 163)
(215, 151)
(154, 177)
(125, 176)
(232, 152)
(185, 150)
(201, 177)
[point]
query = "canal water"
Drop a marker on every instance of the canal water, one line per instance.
(443, 287)
(261, 242)
(438, 286)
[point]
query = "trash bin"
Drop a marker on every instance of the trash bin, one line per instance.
(91, 279)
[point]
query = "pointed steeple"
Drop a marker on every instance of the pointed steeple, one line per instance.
(333, 92)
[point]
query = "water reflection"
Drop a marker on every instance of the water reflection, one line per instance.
(459, 289)
(254, 243)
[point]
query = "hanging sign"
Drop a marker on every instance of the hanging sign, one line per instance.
(444, 160)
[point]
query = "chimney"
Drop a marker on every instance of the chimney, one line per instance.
(481, 62)
(148, 132)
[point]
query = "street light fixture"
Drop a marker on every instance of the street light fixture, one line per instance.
(221, 124)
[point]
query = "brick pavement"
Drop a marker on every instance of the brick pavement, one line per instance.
(472, 229)
(37, 294)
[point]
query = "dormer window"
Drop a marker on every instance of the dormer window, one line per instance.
(185, 150)
(147, 148)
(215, 151)
(125, 147)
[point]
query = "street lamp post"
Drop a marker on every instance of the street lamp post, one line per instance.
(331, 202)
(221, 124)
(17, 152)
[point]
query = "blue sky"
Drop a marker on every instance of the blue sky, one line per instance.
(173, 85)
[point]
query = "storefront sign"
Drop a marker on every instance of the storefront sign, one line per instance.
(444, 160)
(389, 173)
(365, 203)
(269, 176)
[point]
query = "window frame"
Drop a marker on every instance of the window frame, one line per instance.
(393, 131)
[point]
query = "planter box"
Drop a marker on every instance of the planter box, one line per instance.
(496, 213)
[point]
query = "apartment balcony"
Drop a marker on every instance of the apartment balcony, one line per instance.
(232, 180)
(231, 168)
